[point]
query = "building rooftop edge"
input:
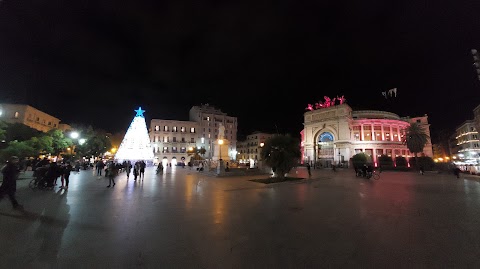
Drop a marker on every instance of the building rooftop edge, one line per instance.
(31, 107)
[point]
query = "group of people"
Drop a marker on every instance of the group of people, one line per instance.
(47, 173)
(114, 168)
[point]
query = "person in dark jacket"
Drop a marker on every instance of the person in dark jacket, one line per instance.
(9, 185)
(66, 175)
(53, 172)
(456, 171)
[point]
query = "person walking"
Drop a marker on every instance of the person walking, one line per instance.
(112, 173)
(309, 170)
(456, 171)
(100, 165)
(128, 168)
(9, 185)
(136, 170)
(66, 175)
(142, 169)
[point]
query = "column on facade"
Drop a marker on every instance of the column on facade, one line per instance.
(398, 133)
(362, 135)
(373, 133)
(391, 134)
(383, 133)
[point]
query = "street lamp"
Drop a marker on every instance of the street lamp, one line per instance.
(220, 143)
(74, 135)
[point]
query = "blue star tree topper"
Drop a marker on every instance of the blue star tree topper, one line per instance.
(139, 112)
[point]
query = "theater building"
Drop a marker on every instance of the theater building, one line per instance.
(332, 135)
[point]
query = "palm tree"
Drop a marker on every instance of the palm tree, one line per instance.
(282, 153)
(415, 138)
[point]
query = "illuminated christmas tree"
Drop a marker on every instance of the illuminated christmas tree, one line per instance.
(136, 143)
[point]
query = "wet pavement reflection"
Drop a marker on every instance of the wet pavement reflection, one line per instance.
(186, 219)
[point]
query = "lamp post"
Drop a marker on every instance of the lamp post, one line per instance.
(259, 163)
(75, 135)
(220, 143)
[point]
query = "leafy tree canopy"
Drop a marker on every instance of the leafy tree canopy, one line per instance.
(360, 159)
(282, 153)
(20, 149)
(20, 132)
(59, 141)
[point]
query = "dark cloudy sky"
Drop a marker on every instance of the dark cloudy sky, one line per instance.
(94, 62)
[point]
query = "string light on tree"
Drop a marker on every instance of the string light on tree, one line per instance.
(136, 143)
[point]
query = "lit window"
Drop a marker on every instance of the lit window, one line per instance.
(174, 149)
(165, 149)
(174, 129)
(203, 140)
(208, 118)
(165, 128)
(182, 129)
(209, 136)
(16, 115)
(192, 130)
(157, 128)
(165, 139)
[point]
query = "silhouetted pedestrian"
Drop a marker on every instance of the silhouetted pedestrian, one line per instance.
(9, 185)
(456, 172)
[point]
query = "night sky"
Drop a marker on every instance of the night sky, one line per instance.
(94, 62)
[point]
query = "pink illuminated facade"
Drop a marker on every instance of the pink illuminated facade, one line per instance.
(332, 135)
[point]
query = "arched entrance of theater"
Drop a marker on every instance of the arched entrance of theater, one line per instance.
(325, 149)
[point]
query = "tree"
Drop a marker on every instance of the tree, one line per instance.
(282, 153)
(400, 161)
(96, 143)
(59, 141)
(41, 145)
(415, 138)
(15, 148)
(202, 151)
(425, 161)
(384, 160)
(20, 132)
(359, 159)
(3, 130)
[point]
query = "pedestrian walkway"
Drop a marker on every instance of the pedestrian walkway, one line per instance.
(184, 219)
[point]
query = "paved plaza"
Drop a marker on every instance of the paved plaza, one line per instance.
(184, 219)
